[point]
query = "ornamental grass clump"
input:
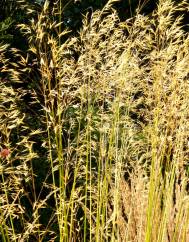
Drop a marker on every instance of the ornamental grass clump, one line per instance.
(96, 126)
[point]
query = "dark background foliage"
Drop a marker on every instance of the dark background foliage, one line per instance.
(73, 11)
(72, 14)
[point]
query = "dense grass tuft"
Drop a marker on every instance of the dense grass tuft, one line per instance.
(96, 128)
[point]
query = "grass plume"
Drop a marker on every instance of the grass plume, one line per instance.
(97, 128)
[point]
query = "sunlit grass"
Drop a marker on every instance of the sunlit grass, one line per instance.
(109, 128)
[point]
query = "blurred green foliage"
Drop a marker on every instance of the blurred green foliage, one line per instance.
(5, 26)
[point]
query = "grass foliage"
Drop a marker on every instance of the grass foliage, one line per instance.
(97, 128)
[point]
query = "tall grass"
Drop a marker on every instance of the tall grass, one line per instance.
(97, 128)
